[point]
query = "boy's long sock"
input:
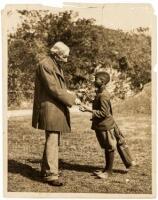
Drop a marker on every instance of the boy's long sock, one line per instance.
(106, 160)
(109, 156)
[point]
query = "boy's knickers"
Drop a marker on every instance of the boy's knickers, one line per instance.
(106, 139)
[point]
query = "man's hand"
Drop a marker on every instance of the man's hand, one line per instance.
(71, 92)
(77, 101)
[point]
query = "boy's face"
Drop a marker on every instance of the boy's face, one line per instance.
(98, 82)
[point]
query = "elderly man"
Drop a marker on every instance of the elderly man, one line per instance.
(50, 109)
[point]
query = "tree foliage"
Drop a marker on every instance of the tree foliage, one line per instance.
(127, 55)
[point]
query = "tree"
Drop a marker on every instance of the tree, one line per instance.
(91, 45)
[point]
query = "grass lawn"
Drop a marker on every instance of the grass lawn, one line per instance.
(80, 155)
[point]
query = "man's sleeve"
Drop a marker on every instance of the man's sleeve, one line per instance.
(104, 108)
(48, 78)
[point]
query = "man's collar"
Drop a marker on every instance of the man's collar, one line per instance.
(58, 69)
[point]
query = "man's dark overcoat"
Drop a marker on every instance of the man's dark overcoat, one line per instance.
(51, 99)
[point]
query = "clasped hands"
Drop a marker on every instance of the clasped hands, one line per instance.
(82, 107)
(85, 108)
(77, 100)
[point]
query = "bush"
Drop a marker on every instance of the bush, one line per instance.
(139, 103)
(127, 56)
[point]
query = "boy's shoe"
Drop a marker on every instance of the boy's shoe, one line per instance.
(133, 164)
(104, 175)
(98, 172)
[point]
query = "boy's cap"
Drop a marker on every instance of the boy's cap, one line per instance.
(60, 49)
(104, 76)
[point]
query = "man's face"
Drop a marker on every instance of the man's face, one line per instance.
(64, 58)
(61, 57)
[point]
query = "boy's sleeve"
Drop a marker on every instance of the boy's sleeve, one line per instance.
(104, 108)
(60, 94)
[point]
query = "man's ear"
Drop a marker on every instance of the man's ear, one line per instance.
(102, 81)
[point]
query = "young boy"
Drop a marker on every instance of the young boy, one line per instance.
(103, 122)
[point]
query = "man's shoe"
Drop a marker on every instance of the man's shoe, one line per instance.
(55, 183)
(44, 175)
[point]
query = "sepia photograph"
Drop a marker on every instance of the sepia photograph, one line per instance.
(78, 100)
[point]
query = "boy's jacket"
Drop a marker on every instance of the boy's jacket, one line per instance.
(102, 118)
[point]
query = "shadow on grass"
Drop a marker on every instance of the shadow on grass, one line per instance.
(78, 167)
(119, 171)
(84, 168)
(23, 169)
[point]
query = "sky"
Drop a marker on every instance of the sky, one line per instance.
(119, 16)
(116, 16)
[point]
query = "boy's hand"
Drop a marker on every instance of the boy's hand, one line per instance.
(81, 108)
(84, 108)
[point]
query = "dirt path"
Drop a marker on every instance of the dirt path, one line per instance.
(28, 112)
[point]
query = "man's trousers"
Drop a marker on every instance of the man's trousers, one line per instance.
(49, 166)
